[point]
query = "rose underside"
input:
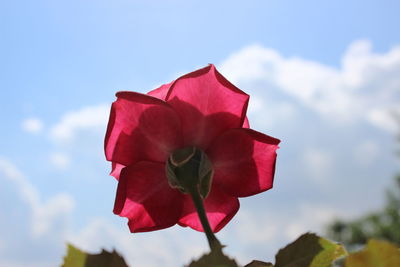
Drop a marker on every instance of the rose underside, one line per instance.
(200, 109)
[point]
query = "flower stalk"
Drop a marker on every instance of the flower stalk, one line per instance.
(213, 242)
(190, 171)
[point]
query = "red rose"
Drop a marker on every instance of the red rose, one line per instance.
(200, 109)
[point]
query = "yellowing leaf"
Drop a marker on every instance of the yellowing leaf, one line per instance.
(78, 258)
(75, 257)
(376, 254)
(309, 250)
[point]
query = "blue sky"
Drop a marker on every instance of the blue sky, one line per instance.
(323, 77)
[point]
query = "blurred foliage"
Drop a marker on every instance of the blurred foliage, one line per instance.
(256, 263)
(375, 254)
(383, 224)
(215, 258)
(309, 250)
(78, 258)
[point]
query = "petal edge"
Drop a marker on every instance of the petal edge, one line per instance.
(141, 127)
(145, 198)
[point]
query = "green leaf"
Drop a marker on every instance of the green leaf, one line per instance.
(309, 250)
(375, 254)
(78, 258)
(256, 263)
(214, 259)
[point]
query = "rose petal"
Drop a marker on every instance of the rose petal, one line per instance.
(207, 104)
(141, 127)
(146, 199)
(116, 169)
(161, 92)
(243, 161)
(220, 209)
(246, 123)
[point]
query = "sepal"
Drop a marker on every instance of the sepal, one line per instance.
(189, 168)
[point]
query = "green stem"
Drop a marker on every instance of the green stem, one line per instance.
(214, 243)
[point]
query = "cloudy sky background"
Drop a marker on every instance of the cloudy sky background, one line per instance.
(323, 77)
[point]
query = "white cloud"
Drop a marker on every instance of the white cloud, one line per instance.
(256, 104)
(366, 86)
(32, 125)
(15, 264)
(87, 118)
(32, 229)
(43, 214)
(60, 160)
(256, 228)
(266, 229)
(311, 218)
(386, 118)
(268, 113)
(318, 163)
(366, 152)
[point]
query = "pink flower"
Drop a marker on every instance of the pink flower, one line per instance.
(201, 109)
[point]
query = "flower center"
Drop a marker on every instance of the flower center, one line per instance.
(189, 169)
